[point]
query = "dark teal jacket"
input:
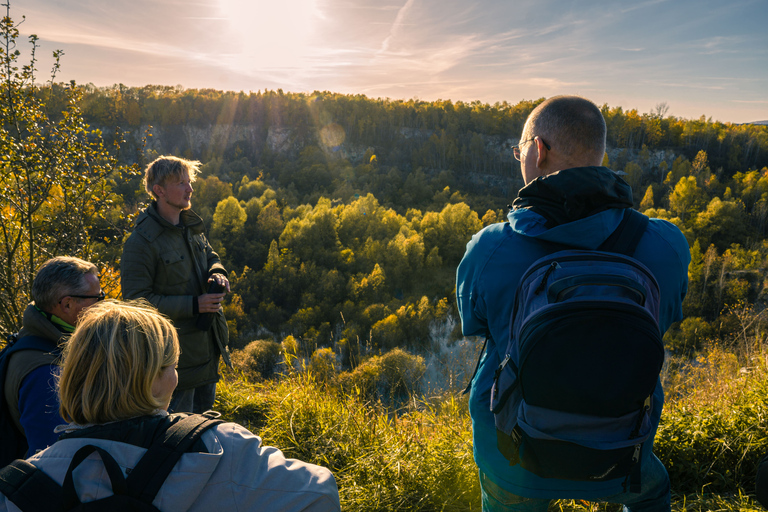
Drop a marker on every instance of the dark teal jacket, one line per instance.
(580, 208)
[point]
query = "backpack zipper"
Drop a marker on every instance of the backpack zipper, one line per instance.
(592, 256)
(496, 376)
(554, 265)
(646, 407)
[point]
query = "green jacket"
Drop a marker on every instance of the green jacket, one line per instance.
(169, 266)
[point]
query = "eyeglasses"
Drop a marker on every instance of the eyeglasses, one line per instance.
(516, 147)
(98, 297)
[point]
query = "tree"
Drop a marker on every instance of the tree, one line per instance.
(634, 175)
(227, 231)
(209, 192)
(56, 179)
(647, 201)
(686, 198)
(721, 223)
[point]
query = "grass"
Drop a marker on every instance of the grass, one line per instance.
(712, 435)
(419, 458)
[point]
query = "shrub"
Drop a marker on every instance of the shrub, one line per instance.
(395, 375)
(689, 335)
(322, 364)
(401, 372)
(362, 380)
(258, 359)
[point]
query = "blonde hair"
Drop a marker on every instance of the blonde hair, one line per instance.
(165, 167)
(112, 359)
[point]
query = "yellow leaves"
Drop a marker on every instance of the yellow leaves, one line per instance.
(56, 179)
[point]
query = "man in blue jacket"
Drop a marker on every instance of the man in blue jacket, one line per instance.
(568, 199)
(63, 287)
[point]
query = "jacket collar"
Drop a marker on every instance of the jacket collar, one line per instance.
(189, 219)
(573, 194)
(35, 322)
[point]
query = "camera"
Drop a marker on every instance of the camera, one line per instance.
(205, 320)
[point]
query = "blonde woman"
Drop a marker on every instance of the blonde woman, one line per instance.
(119, 372)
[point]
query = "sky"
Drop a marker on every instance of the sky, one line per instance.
(699, 57)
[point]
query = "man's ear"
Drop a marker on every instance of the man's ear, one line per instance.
(158, 190)
(64, 305)
(542, 152)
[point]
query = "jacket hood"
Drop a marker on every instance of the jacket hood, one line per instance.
(579, 207)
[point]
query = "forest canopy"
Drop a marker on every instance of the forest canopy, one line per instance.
(342, 218)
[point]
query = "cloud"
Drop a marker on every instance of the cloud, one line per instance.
(396, 26)
(752, 102)
(688, 85)
(643, 5)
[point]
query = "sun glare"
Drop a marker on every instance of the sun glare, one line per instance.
(267, 34)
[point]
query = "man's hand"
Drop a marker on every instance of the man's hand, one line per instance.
(221, 279)
(211, 302)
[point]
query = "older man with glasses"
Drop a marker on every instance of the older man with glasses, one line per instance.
(62, 289)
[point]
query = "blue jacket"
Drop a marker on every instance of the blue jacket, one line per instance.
(487, 279)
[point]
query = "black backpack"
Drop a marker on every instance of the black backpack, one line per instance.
(572, 397)
(31, 489)
(13, 443)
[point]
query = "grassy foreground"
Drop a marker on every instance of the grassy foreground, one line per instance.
(418, 459)
(712, 436)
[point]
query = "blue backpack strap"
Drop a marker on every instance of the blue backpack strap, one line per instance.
(29, 488)
(627, 235)
(31, 343)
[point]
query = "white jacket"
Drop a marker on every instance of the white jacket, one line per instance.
(238, 474)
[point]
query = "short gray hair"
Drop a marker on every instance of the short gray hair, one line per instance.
(161, 169)
(59, 277)
(573, 125)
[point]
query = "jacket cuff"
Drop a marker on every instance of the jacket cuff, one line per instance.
(217, 270)
(195, 306)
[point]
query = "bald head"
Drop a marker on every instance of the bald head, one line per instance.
(573, 126)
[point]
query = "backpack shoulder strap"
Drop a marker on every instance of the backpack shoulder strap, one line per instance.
(32, 343)
(626, 236)
(70, 499)
(157, 463)
(29, 488)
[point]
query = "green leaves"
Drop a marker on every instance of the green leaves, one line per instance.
(56, 179)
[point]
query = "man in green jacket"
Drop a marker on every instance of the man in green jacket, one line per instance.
(168, 261)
